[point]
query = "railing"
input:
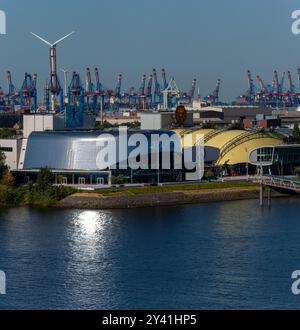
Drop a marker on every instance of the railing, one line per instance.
(279, 182)
(213, 133)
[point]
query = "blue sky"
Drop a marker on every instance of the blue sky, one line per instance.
(205, 39)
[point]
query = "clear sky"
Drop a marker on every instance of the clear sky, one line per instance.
(205, 39)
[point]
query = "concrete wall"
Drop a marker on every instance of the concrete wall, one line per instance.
(162, 120)
(51, 122)
(151, 121)
(37, 123)
(11, 149)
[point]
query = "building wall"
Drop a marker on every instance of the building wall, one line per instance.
(151, 121)
(37, 123)
(11, 149)
(162, 120)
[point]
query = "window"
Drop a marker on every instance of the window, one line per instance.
(100, 181)
(6, 149)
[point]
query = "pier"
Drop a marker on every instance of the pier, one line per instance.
(289, 185)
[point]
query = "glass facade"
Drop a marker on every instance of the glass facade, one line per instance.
(265, 154)
(279, 160)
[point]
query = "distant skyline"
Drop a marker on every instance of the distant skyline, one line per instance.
(202, 39)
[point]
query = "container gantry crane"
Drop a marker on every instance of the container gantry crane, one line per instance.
(157, 99)
(28, 94)
(91, 97)
(191, 93)
(12, 97)
(148, 92)
(213, 98)
(164, 79)
(75, 107)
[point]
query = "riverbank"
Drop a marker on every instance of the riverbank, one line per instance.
(129, 196)
(125, 200)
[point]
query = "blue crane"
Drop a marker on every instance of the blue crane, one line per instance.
(91, 97)
(28, 94)
(75, 107)
(157, 89)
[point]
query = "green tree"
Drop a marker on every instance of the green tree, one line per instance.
(296, 132)
(209, 174)
(2, 163)
(8, 179)
(132, 125)
(120, 179)
(297, 170)
(6, 133)
(45, 178)
(104, 125)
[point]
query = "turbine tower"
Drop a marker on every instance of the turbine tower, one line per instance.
(54, 85)
(65, 72)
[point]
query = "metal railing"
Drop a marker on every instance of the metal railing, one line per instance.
(214, 133)
(279, 182)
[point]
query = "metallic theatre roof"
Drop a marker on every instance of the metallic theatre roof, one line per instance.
(70, 150)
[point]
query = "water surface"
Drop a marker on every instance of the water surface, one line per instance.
(206, 256)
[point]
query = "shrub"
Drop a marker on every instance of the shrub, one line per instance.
(8, 179)
(209, 174)
(120, 179)
(44, 179)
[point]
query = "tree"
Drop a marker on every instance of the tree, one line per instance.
(296, 132)
(6, 133)
(8, 179)
(297, 170)
(120, 179)
(104, 125)
(132, 125)
(2, 163)
(44, 179)
(209, 174)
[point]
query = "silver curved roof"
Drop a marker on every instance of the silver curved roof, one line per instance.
(69, 150)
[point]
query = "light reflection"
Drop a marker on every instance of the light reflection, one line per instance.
(88, 233)
(89, 252)
(90, 222)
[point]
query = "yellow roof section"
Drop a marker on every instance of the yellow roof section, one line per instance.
(240, 153)
(195, 134)
(234, 145)
(224, 137)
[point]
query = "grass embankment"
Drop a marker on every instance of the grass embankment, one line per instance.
(149, 196)
(49, 195)
(33, 195)
(176, 187)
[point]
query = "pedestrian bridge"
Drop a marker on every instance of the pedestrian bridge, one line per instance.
(280, 182)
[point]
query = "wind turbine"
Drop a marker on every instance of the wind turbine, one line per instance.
(65, 72)
(55, 87)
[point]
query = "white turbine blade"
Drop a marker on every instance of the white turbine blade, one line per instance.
(45, 41)
(65, 70)
(63, 38)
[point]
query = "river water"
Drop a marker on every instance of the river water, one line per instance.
(206, 256)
